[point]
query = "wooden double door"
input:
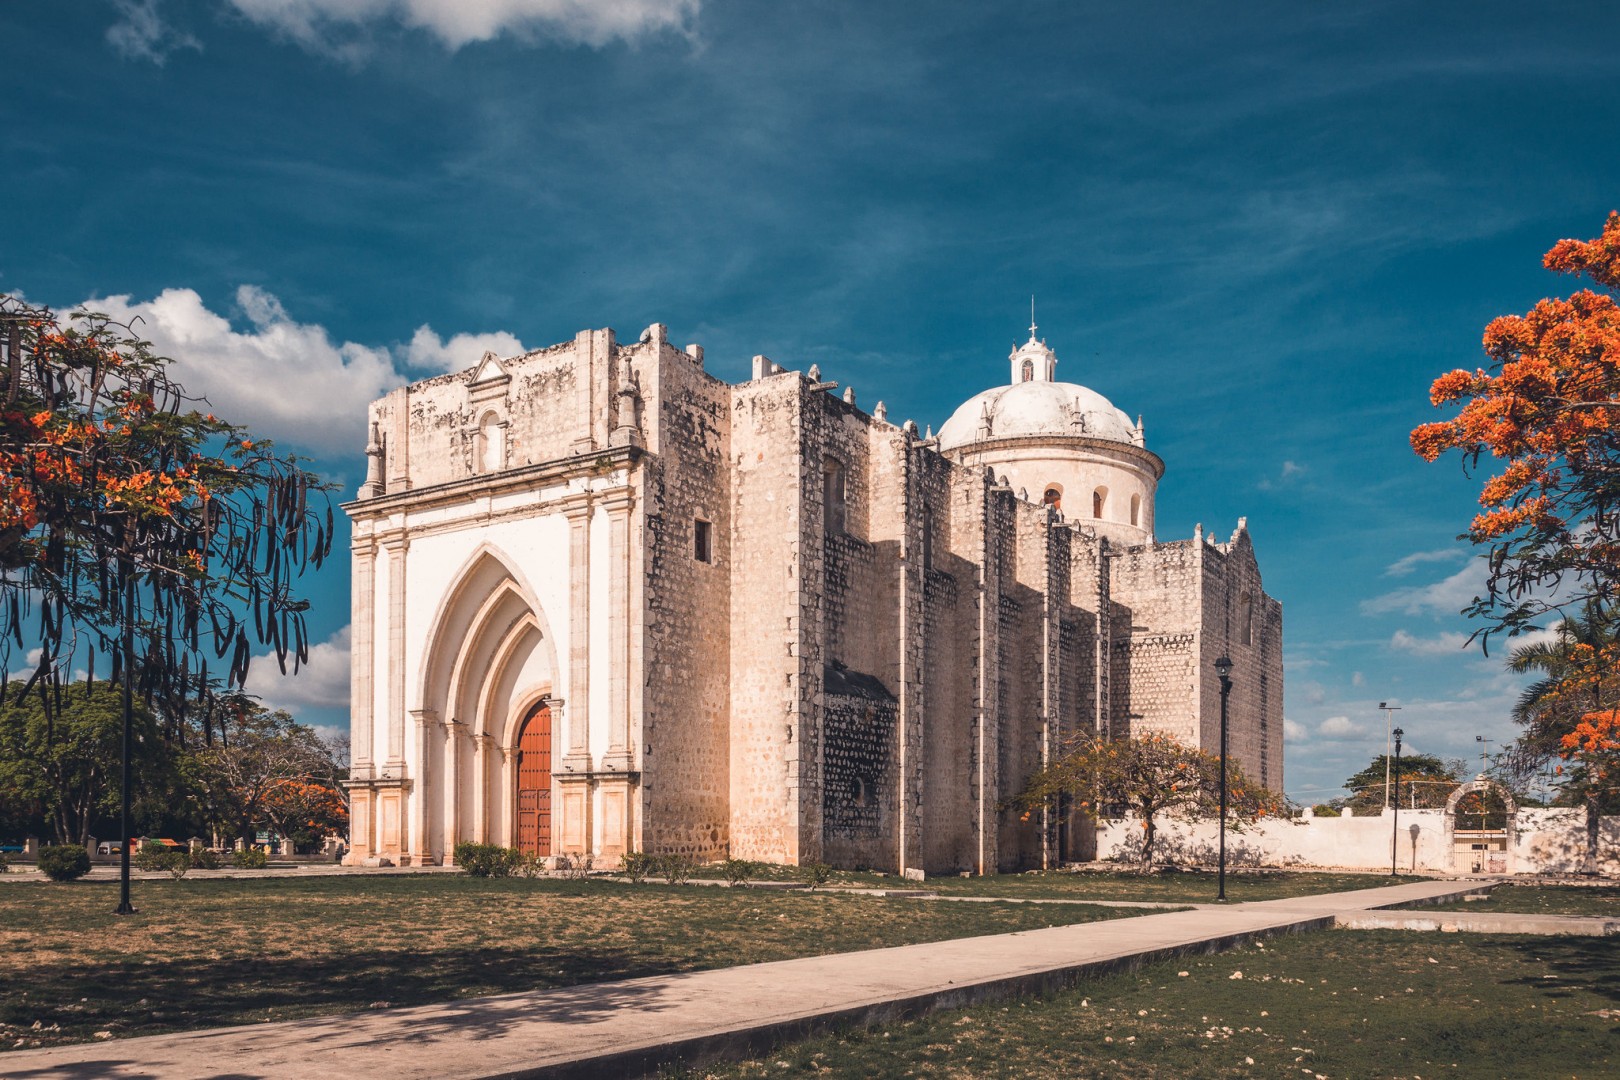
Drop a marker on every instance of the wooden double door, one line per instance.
(534, 782)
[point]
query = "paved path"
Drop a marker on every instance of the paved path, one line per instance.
(630, 1027)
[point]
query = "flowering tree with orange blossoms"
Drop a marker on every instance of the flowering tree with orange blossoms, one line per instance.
(1548, 410)
(1146, 777)
(136, 525)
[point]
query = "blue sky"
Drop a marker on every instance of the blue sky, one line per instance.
(1264, 227)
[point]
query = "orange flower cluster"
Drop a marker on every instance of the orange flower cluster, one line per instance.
(1597, 733)
(1551, 396)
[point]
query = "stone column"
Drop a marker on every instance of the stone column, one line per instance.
(481, 788)
(362, 626)
(396, 546)
(425, 721)
(577, 756)
(455, 733)
(508, 807)
(619, 755)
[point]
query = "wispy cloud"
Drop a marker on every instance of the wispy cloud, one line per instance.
(1290, 472)
(1446, 597)
(1406, 564)
(1295, 732)
(142, 33)
(327, 26)
(1448, 643)
(1340, 727)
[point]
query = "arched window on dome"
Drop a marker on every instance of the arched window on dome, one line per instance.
(1136, 510)
(1029, 370)
(1099, 502)
(1053, 497)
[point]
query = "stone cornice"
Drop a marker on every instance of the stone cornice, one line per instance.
(593, 463)
(1060, 442)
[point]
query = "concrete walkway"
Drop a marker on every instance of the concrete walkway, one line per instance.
(632, 1027)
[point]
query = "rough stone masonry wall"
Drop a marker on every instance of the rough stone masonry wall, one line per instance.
(686, 765)
(954, 498)
(767, 632)
(1254, 708)
(1155, 620)
(1024, 663)
(860, 625)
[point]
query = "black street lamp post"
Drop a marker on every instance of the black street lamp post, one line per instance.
(1223, 668)
(1394, 828)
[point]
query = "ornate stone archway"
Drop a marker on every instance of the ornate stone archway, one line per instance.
(1483, 785)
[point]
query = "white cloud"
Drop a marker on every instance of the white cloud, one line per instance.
(1290, 472)
(1357, 679)
(282, 379)
(319, 25)
(1448, 643)
(428, 350)
(1446, 597)
(1339, 727)
(1295, 731)
(321, 683)
(141, 33)
(1403, 566)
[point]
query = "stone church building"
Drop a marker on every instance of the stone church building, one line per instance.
(604, 601)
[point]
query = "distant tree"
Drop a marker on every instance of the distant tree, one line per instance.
(1426, 782)
(1569, 713)
(1148, 777)
(62, 767)
(133, 523)
(265, 770)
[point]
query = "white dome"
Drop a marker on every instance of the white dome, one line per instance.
(1037, 408)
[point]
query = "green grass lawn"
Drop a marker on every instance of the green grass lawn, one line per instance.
(1174, 887)
(205, 953)
(1339, 1004)
(1545, 900)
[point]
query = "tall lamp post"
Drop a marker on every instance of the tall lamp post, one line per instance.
(1223, 668)
(1394, 829)
(1389, 722)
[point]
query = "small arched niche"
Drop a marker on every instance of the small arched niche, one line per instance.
(491, 442)
(1053, 496)
(1136, 510)
(1099, 502)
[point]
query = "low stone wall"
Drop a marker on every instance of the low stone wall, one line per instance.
(1542, 842)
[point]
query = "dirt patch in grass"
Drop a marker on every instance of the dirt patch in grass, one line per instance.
(1337, 1004)
(205, 953)
(1599, 900)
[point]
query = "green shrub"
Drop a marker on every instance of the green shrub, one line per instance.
(5, 862)
(203, 859)
(638, 866)
(487, 860)
(251, 858)
(1324, 810)
(676, 869)
(531, 866)
(577, 867)
(151, 858)
(738, 871)
(817, 873)
(64, 862)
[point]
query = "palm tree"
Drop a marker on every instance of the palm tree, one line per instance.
(1577, 678)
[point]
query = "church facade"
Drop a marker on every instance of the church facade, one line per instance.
(604, 601)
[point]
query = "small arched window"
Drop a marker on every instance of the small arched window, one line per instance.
(491, 443)
(1246, 619)
(832, 481)
(1029, 370)
(1053, 497)
(1136, 510)
(1099, 502)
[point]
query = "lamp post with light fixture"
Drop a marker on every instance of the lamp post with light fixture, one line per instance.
(1223, 668)
(1394, 829)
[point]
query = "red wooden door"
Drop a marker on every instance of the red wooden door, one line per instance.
(534, 783)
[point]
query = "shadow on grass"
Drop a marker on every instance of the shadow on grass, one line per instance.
(1582, 963)
(134, 999)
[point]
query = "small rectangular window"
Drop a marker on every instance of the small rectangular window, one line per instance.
(702, 541)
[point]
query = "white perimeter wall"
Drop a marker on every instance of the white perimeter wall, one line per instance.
(1547, 841)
